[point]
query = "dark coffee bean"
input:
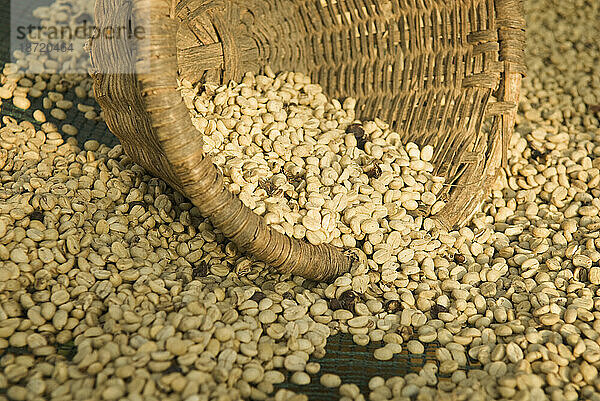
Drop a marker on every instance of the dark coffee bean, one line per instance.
(258, 296)
(67, 350)
(348, 300)
(335, 304)
(355, 129)
(436, 309)
(200, 270)
(348, 295)
(406, 332)
(135, 203)
(37, 215)
(392, 306)
(359, 133)
(459, 258)
(288, 295)
(374, 171)
(539, 156)
(174, 368)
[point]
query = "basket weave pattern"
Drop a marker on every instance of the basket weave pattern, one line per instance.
(444, 73)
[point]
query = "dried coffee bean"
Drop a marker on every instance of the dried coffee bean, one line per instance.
(392, 306)
(459, 258)
(348, 299)
(173, 368)
(37, 215)
(135, 203)
(258, 296)
(406, 332)
(359, 133)
(373, 171)
(200, 270)
(436, 309)
(335, 304)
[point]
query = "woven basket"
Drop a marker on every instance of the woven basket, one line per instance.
(441, 72)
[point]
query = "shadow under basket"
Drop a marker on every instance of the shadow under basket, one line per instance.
(441, 72)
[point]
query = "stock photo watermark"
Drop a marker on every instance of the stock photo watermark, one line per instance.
(61, 44)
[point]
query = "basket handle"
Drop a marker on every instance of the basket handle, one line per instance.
(199, 178)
